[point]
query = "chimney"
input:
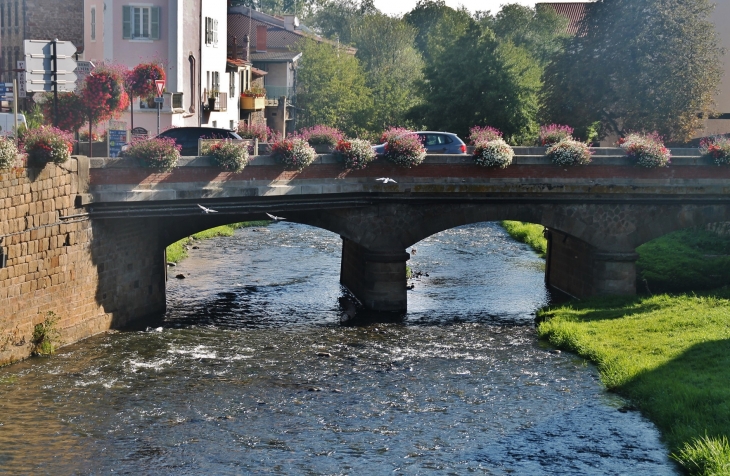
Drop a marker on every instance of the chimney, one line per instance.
(291, 22)
(261, 38)
(245, 47)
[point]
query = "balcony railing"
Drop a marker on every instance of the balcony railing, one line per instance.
(217, 102)
(275, 92)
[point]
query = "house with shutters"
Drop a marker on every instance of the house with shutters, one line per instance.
(186, 37)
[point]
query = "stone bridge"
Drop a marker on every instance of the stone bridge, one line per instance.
(103, 224)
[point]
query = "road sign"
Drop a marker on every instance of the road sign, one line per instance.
(21, 79)
(83, 69)
(39, 65)
(160, 100)
(160, 85)
(6, 91)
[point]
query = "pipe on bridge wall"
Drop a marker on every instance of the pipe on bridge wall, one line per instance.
(580, 270)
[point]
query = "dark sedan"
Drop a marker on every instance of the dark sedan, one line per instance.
(187, 137)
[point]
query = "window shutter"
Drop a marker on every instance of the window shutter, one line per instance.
(155, 23)
(126, 22)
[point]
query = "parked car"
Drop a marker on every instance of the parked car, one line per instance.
(187, 137)
(6, 124)
(435, 143)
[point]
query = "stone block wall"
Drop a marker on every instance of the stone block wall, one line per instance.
(53, 261)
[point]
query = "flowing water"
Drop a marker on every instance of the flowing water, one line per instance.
(252, 372)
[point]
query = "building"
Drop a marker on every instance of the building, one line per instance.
(22, 20)
(187, 38)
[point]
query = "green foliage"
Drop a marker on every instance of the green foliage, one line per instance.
(177, 251)
(338, 19)
(229, 155)
(434, 21)
(670, 355)
(684, 260)
(529, 233)
(331, 88)
(34, 117)
(637, 65)
(477, 80)
(46, 336)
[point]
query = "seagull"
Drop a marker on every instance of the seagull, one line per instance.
(274, 217)
(207, 210)
(385, 180)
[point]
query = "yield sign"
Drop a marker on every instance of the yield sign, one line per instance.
(160, 85)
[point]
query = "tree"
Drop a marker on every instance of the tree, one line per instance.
(637, 65)
(103, 95)
(71, 114)
(476, 80)
(427, 15)
(331, 88)
(385, 48)
(337, 19)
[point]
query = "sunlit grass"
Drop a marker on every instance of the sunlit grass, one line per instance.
(670, 355)
(177, 251)
(529, 233)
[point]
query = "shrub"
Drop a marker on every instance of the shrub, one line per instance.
(569, 152)
(48, 144)
(321, 135)
(647, 149)
(718, 148)
(155, 153)
(356, 153)
(406, 150)
(392, 133)
(554, 133)
(295, 153)
(254, 131)
(495, 153)
(229, 155)
(479, 134)
(8, 153)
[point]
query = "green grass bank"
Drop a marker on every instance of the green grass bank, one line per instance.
(177, 251)
(529, 233)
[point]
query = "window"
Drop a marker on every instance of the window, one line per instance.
(16, 13)
(211, 31)
(140, 23)
(232, 84)
(93, 23)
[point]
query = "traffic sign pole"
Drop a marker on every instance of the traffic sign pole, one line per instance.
(55, 87)
(15, 111)
(160, 85)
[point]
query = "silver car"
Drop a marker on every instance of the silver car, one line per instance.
(435, 143)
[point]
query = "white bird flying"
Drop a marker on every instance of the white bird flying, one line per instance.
(385, 180)
(207, 210)
(274, 217)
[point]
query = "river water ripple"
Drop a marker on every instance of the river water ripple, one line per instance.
(253, 373)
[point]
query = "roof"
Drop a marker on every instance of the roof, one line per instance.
(573, 11)
(275, 56)
(236, 63)
(258, 73)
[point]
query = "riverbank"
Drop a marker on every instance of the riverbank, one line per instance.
(669, 355)
(178, 251)
(529, 233)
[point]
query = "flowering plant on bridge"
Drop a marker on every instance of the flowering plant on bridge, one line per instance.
(494, 153)
(48, 144)
(569, 152)
(295, 153)
(479, 134)
(321, 135)
(647, 149)
(554, 133)
(256, 131)
(71, 114)
(718, 148)
(141, 80)
(406, 151)
(392, 133)
(229, 155)
(156, 153)
(356, 153)
(8, 153)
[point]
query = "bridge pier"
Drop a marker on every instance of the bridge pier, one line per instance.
(376, 277)
(579, 269)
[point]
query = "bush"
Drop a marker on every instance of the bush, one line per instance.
(392, 133)
(322, 135)
(155, 153)
(479, 134)
(405, 151)
(718, 148)
(295, 153)
(554, 133)
(229, 155)
(8, 153)
(647, 149)
(356, 153)
(569, 152)
(495, 153)
(255, 131)
(48, 144)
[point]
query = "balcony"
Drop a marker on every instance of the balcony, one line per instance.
(275, 92)
(217, 102)
(249, 103)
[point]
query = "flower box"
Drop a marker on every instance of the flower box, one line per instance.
(249, 103)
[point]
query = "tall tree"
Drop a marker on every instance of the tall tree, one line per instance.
(331, 88)
(427, 15)
(385, 48)
(476, 80)
(637, 65)
(338, 19)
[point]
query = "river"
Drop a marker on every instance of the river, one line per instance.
(253, 372)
